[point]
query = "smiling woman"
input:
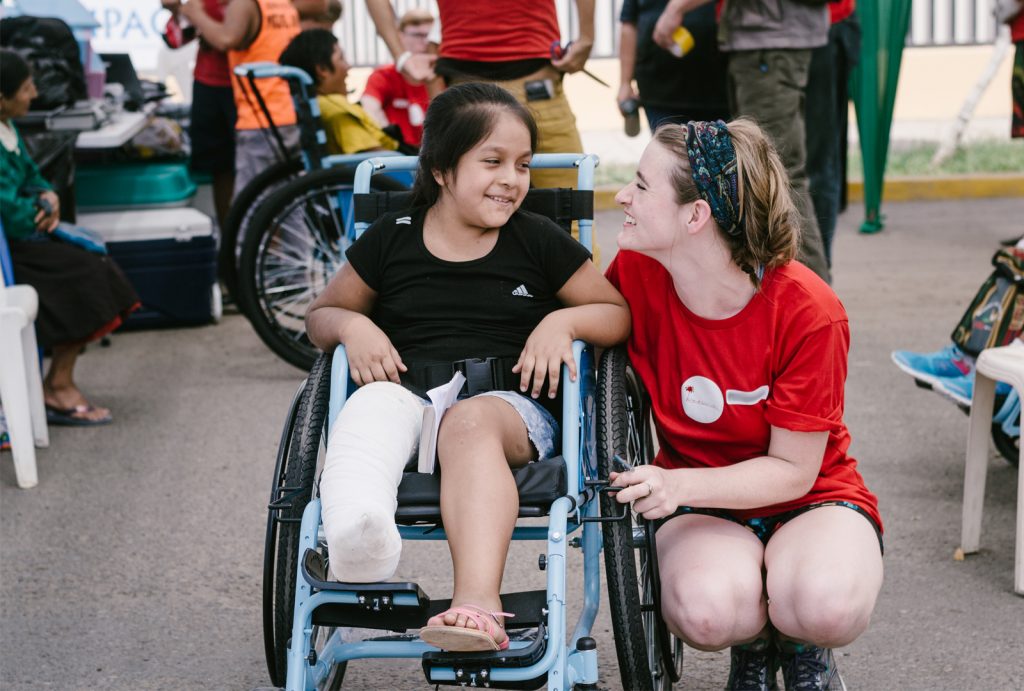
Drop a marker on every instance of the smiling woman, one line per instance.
(755, 485)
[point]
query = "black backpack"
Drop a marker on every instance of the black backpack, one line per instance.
(50, 48)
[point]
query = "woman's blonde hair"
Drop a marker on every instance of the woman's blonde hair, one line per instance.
(769, 219)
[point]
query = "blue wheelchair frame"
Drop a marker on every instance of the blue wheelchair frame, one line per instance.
(564, 663)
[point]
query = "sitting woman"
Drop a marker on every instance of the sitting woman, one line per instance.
(350, 129)
(82, 296)
(463, 274)
(768, 539)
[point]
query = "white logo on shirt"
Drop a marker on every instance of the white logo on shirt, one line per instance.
(403, 221)
(737, 397)
(522, 292)
(702, 399)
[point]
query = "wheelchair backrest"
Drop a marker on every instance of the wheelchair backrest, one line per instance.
(563, 205)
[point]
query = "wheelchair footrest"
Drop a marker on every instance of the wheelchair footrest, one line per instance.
(476, 669)
(394, 606)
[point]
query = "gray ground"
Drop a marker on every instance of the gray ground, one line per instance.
(136, 562)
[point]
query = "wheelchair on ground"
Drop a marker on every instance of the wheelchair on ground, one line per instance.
(605, 422)
(288, 228)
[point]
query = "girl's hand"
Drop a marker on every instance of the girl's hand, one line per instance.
(371, 356)
(651, 489)
(48, 217)
(546, 349)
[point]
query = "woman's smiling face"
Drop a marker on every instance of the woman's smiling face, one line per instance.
(653, 217)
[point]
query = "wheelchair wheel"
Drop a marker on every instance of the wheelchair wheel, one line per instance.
(1007, 445)
(299, 459)
(294, 245)
(649, 657)
(240, 215)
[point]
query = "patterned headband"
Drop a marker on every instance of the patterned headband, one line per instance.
(713, 162)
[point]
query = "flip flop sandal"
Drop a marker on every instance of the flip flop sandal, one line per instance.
(71, 417)
(463, 639)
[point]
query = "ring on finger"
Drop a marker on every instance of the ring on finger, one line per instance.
(650, 489)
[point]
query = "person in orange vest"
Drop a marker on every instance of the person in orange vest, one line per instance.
(257, 31)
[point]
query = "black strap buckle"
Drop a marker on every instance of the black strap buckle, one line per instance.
(482, 374)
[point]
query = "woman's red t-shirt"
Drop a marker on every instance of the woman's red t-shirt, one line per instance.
(718, 386)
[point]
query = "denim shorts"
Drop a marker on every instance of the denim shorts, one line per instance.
(541, 426)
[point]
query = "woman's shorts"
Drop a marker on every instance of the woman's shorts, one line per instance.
(765, 526)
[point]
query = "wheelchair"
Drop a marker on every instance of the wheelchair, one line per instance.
(605, 422)
(295, 222)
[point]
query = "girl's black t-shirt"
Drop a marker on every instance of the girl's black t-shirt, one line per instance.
(435, 310)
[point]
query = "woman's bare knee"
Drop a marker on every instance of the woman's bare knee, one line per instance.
(714, 613)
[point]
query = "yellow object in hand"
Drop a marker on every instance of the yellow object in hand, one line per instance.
(683, 42)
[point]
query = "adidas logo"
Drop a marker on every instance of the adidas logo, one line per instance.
(403, 221)
(522, 292)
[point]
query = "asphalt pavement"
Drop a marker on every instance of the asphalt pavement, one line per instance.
(136, 562)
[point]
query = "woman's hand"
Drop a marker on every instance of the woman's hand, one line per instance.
(371, 356)
(652, 490)
(49, 212)
(546, 349)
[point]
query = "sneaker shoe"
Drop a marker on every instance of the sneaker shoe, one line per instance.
(810, 668)
(961, 390)
(752, 667)
(930, 368)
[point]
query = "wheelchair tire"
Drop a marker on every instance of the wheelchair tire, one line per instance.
(1007, 445)
(650, 659)
(301, 459)
(294, 245)
(240, 215)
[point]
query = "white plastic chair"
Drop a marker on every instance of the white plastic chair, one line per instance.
(21, 385)
(1003, 364)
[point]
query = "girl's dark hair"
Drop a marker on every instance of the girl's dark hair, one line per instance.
(458, 119)
(310, 49)
(14, 70)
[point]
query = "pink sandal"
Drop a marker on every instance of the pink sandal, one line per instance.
(462, 638)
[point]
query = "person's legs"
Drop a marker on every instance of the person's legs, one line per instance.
(711, 581)
(479, 439)
(823, 138)
(824, 571)
(375, 435)
(768, 86)
(59, 389)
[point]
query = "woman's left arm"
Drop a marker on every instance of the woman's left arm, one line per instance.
(595, 312)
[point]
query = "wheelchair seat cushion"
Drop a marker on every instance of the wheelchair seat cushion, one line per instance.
(539, 484)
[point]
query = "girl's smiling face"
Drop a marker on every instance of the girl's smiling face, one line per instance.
(492, 178)
(654, 220)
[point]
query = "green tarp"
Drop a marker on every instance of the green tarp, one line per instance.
(884, 26)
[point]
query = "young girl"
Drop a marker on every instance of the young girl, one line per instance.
(769, 541)
(463, 274)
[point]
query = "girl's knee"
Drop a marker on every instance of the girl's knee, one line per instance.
(468, 423)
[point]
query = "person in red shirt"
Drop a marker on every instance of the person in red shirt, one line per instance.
(768, 539)
(390, 97)
(212, 119)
